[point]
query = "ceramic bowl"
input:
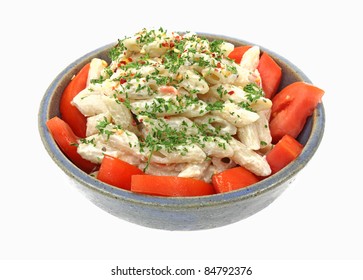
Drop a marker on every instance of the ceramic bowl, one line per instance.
(193, 213)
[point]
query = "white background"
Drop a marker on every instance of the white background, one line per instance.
(43, 217)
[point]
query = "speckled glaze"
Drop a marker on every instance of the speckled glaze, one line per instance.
(195, 213)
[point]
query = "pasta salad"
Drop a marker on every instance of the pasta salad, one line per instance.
(176, 105)
(177, 114)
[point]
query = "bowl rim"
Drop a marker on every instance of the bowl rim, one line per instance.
(273, 181)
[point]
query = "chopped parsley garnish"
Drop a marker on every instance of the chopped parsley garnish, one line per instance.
(215, 46)
(138, 74)
(88, 141)
(100, 80)
(253, 91)
(221, 91)
(216, 106)
(106, 127)
(117, 50)
(263, 143)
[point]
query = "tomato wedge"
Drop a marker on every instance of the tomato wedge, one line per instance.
(233, 179)
(238, 53)
(284, 152)
(270, 73)
(116, 172)
(170, 186)
(67, 140)
(70, 114)
(291, 107)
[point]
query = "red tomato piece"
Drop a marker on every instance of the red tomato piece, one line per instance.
(270, 73)
(233, 179)
(284, 152)
(116, 172)
(238, 53)
(70, 114)
(291, 107)
(67, 142)
(170, 186)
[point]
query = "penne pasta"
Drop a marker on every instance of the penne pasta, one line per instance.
(175, 104)
(249, 159)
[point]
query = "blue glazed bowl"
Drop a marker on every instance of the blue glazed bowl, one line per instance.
(194, 213)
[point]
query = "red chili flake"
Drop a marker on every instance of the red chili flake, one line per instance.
(219, 65)
(122, 81)
(141, 120)
(121, 99)
(133, 123)
(129, 59)
(213, 54)
(172, 44)
(165, 44)
(166, 117)
(121, 63)
(231, 92)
